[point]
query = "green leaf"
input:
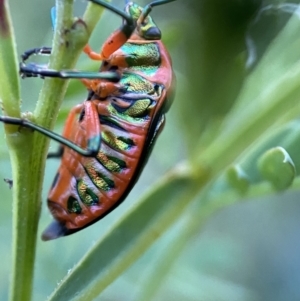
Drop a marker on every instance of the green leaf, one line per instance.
(128, 238)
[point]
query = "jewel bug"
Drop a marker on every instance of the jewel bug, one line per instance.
(108, 138)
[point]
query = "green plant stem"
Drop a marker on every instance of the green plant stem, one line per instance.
(28, 154)
(27, 149)
(20, 145)
(26, 208)
(9, 77)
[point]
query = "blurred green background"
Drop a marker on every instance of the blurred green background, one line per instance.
(248, 252)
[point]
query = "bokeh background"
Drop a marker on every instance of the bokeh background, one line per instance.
(247, 252)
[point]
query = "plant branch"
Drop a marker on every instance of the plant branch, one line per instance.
(28, 149)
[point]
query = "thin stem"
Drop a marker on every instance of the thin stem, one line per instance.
(20, 145)
(28, 153)
(28, 149)
(9, 79)
(26, 208)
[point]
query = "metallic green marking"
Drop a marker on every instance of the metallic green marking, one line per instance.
(117, 143)
(135, 83)
(138, 112)
(142, 57)
(100, 180)
(139, 108)
(87, 196)
(73, 205)
(111, 163)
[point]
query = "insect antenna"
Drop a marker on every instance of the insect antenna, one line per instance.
(117, 11)
(148, 8)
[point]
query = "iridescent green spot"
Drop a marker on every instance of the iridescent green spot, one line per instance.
(134, 83)
(87, 196)
(134, 114)
(111, 163)
(73, 205)
(142, 57)
(100, 180)
(137, 111)
(139, 108)
(117, 143)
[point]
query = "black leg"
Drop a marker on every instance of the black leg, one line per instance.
(35, 70)
(93, 143)
(36, 51)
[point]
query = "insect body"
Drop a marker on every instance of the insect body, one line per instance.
(131, 114)
(119, 122)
